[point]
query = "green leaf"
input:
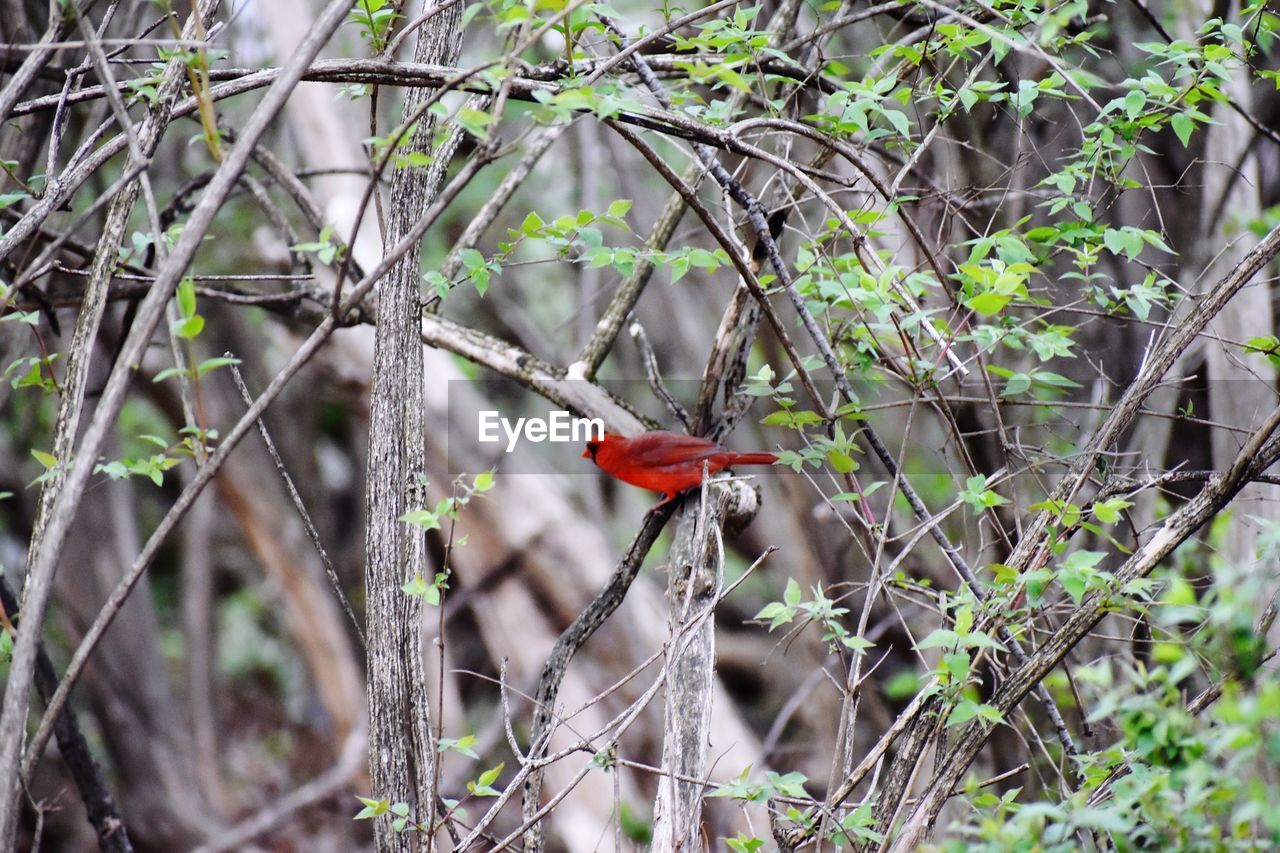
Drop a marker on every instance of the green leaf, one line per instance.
(988, 304)
(483, 482)
(963, 712)
(990, 713)
(777, 613)
(483, 786)
(168, 373)
(187, 297)
(1083, 559)
(491, 775)
(1018, 383)
(424, 518)
(958, 665)
(1004, 575)
(531, 225)
(470, 13)
(1075, 585)
(1108, 511)
(1183, 125)
(462, 745)
(744, 843)
(857, 644)
(475, 122)
(372, 808)
(416, 587)
(841, 461)
(188, 327)
(1134, 102)
(214, 363)
(47, 460)
(939, 637)
(618, 208)
(792, 594)
(115, 470)
(899, 121)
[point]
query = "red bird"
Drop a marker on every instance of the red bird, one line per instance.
(666, 462)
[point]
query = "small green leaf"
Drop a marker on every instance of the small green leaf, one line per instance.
(857, 644)
(744, 843)
(475, 122)
(168, 373)
(531, 225)
(416, 587)
(188, 327)
(841, 461)
(963, 712)
(424, 518)
(939, 637)
(462, 745)
(1183, 125)
(1108, 511)
(990, 713)
(214, 363)
(1075, 584)
(988, 304)
(483, 786)
(372, 808)
(187, 297)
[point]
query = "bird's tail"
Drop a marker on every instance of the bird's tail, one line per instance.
(753, 459)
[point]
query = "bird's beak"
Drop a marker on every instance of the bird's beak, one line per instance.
(586, 454)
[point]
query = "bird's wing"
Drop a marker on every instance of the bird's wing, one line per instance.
(662, 449)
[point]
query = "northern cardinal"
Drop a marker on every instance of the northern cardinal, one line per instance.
(666, 461)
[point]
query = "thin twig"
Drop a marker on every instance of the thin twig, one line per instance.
(312, 533)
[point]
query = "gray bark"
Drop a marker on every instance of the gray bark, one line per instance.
(400, 751)
(693, 586)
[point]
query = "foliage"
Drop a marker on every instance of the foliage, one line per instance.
(924, 251)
